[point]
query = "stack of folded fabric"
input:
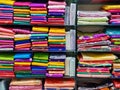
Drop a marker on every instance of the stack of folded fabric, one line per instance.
(22, 41)
(40, 64)
(25, 84)
(22, 13)
(6, 39)
(95, 64)
(57, 39)
(116, 84)
(93, 42)
(39, 38)
(22, 65)
(114, 34)
(116, 68)
(56, 12)
(38, 13)
(115, 13)
(92, 17)
(6, 12)
(56, 65)
(6, 65)
(59, 84)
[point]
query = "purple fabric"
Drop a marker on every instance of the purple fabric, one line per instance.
(22, 60)
(54, 75)
(6, 62)
(37, 5)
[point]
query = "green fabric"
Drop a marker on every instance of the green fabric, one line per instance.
(37, 60)
(117, 61)
(21, 15)
(39, 35)
(56, 67)
(29, 75)
(10, 69)
(23, 72)
(57, 42)
(19, 7)
(6, 64)
(22, 22)
(116, 42)
(42, 56)
(7, 56)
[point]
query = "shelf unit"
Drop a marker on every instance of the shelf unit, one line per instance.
(87, 5)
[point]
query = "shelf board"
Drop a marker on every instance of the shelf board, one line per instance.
(98, 25)
(36, 77)
(40, 51)
(46, 25)
(82, 2)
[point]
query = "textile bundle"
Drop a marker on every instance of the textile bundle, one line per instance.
(21, 13)
(57, 39)
(6, 65)
(95, 64)
(40, 64)
(39, 38)
(114, 37)
(6, 13)
(93, 42)
(56, 12)
(25, 84)
(115, 13)
(92, 17)
(6, 39)
(56, 65)
(59, 84)
(22, 65)
(38, 13)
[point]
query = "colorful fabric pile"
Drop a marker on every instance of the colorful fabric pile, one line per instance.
(22, 39)
(92, 17)
(39, 38)
(95, 65)
(6, 65)
(114, 34)
(116, 68)
(56, 12)
(22, 13)
(6, 12)
(38, 13)
(93, 42)
(56, 65)
(6, 39)
(115, 13)
(57, 39)
(59, 84)
(40, 64)
(22, 65)
(25, 84)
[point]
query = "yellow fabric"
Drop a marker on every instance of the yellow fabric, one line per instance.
(7, 2)
(6, 66)
(21, 10)
(40, 29)
(22, 63)
(98, 56)
(19, 82)
(39, 64)
(44, 45)
(38, 12)
(108, 7)
(56, 63)
(63, 40)
(57, 30)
